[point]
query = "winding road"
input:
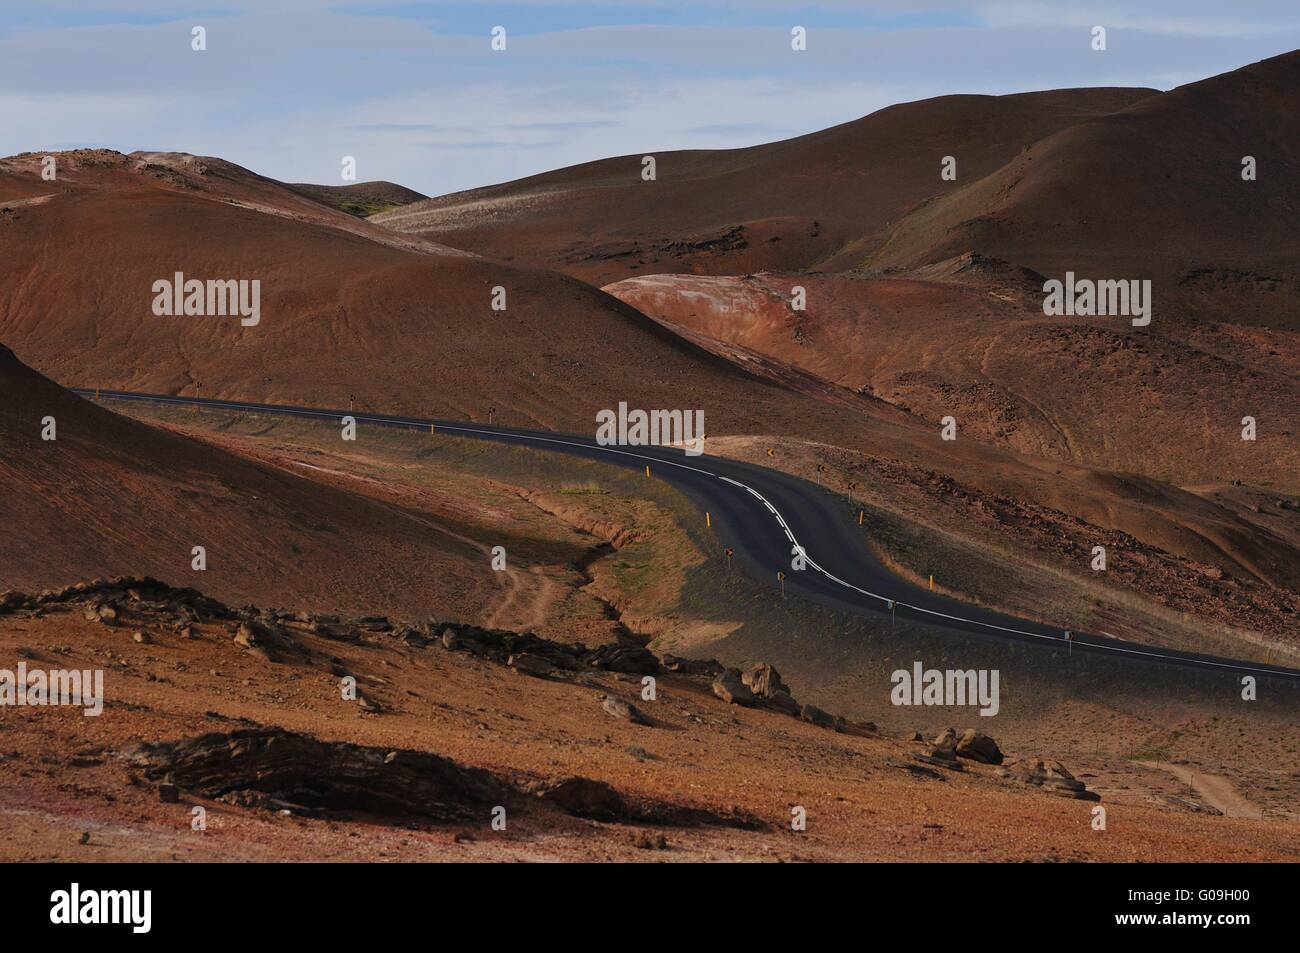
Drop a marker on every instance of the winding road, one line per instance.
(765, 514)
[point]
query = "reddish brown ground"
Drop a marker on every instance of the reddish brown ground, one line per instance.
(63, 778)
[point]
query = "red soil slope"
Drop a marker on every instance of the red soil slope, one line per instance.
(972, 341)
(112, 496)
(347, 308)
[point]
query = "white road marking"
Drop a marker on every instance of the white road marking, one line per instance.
(442, 428)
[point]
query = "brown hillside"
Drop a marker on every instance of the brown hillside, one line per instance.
(361, 198)
(1153, 190)
(806, 202)
(972, 341)
(345, 310)
(112, 496)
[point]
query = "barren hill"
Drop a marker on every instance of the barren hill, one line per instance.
(970, 340)
(362, 198)
(813, 201)
(110, 495)
(1153, 190)
(347, 308)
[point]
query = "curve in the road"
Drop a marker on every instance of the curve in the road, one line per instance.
(730, 489)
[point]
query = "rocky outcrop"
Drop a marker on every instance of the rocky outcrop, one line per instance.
(764, 680)
(978, 746)
(1051, 776)
(273, 768)
(500, 646)
(732, 689)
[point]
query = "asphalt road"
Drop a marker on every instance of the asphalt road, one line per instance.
(763, 514)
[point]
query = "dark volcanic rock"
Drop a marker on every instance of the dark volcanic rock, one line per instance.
(731, 689)
(711, 668)
(530, 664)
(978, 746)
(320, 776)
(812, 713)
(584, 797)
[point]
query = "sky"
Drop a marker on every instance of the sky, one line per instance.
(415, 93)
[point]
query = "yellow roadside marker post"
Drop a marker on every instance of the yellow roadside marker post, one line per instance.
(781, 578)
(860, 514)
(647, 469)
(708, 520)
(932, 582)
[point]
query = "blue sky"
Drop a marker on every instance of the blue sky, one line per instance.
(415, 92)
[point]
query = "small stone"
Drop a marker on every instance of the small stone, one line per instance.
(621, 709)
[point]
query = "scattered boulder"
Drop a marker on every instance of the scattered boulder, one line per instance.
(861, 729)
(12, 599)
(731, 689)
(629, 659)
(583, 797)
(940, 758)
(336, 631)
(764, 680)
(267, 767)
(978, 746)
(946, 739)
(784, 701)
(813, 714)
(710, 668)
(141, 637)
(621, 709)
(1052, 776)
(529, 664)
(411, 637)
(246, 636)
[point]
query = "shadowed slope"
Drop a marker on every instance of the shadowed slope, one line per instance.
(801, 203)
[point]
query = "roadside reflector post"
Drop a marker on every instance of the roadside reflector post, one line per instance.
(932, 582)
(729, 554)
(647, 469)
(860, 512)
(708, 520)
(781, 578)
